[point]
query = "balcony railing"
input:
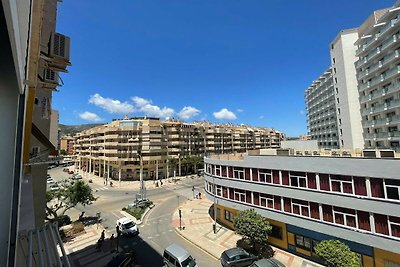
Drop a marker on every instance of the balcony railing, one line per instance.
(383, 135)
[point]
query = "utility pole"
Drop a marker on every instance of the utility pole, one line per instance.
(180, 219)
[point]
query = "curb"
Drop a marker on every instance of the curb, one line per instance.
(138, 222)
(190, 241)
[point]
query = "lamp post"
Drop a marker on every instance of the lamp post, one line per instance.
(215, 208)
(142, 187)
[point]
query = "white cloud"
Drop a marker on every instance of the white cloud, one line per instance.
(224, 114)
(148, 109)
(261, 117)
(111, 105)
(239, 110)
(188, 112)
(89, 116)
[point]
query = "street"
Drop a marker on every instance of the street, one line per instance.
(157, 230)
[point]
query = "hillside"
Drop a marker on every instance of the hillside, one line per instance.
(73, 129)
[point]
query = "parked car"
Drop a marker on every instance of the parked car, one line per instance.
(127, 227)
(139, 202)
(50, 180)
(54, 187)
(175, 255)
(70, 172)
(65, 170)
(237, 257)
(271, 262)
(78, 177)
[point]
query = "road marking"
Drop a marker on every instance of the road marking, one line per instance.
(116, 214)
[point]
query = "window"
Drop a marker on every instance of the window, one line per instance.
(218, 170)
(377, 188)
(345, 217)
(276, 232)
(303, 242)
(240, 195)
(218, 190)
(300, 207)
(229, 216)
(342, 184)
(392, 189)
(298, 179)
(266, 200)
(238, 173)
(394, 226)
(265, 176)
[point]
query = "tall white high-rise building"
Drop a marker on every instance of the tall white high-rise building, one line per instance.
(343, 57)
(378, 74)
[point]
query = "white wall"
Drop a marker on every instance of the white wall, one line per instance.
(343, 57)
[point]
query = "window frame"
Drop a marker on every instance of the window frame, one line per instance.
(238, 173)
(345, 215)
(300, 206)
(297, 177)
(262, 174)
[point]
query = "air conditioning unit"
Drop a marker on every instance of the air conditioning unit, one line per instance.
(50, 76)
(59, 46)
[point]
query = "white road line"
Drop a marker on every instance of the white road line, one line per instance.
(116, 215)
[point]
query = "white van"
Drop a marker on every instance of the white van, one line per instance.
(177, 256)
(127, 227)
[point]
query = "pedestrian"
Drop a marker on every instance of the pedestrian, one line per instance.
(199, 195)
(102, 236)
(111, 241)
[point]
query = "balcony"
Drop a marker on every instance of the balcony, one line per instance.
(383, 122)
(383, 135)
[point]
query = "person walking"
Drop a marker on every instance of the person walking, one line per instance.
(112, 242)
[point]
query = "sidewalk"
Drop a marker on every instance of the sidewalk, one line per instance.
(82, 252)
(199, 231)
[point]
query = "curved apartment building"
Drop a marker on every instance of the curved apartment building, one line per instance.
(314, 198)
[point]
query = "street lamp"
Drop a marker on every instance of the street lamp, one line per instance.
(215, 207)
(142, 187)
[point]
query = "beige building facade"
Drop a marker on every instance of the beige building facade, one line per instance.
(67, 144)
(163, 148)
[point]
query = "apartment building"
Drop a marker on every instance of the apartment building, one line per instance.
(307, 199)
(54, 130)
(378, 75)
(321, 111)
(343, 57)
(162, 148)
(67, 144)
(32, 54)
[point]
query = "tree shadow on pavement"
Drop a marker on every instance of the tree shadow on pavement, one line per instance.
(89, 220)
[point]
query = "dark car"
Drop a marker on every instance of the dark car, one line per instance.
(236, 257)
(271, 262)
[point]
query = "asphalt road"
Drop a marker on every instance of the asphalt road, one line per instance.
(156, 231)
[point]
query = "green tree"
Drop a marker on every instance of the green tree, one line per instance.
(337, 254)
(252, 226)
(68, 196)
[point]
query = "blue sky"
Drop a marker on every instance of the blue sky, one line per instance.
(217, 60)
